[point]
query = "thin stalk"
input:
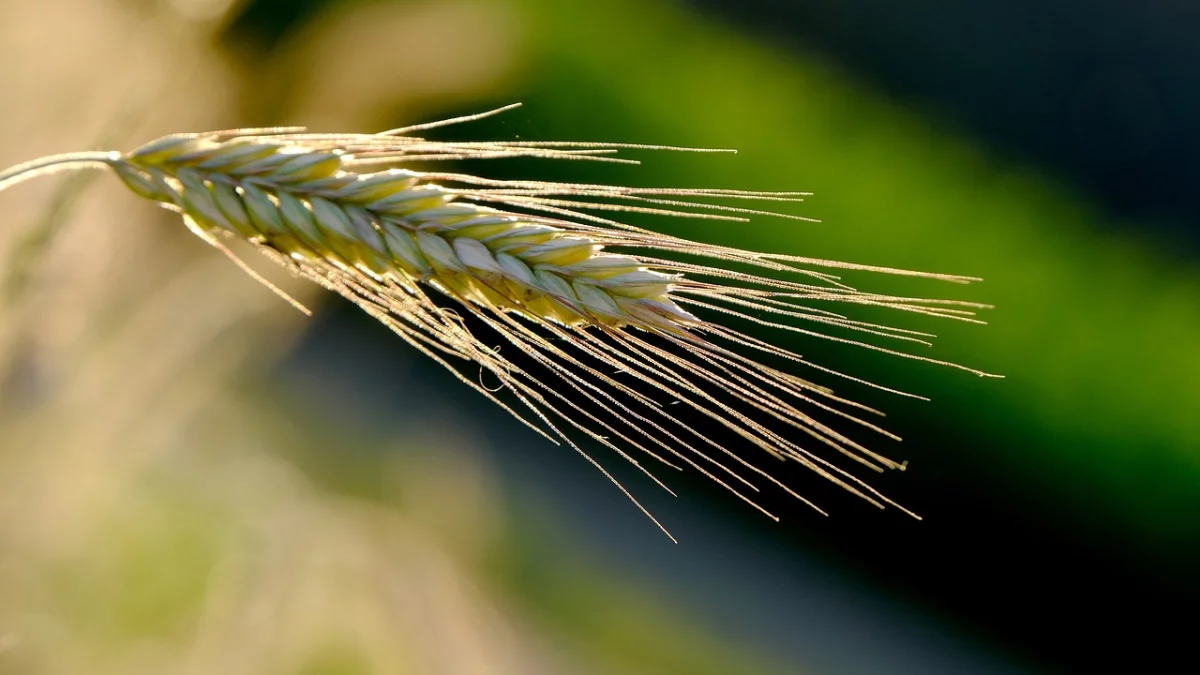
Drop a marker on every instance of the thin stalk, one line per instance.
(44, 166)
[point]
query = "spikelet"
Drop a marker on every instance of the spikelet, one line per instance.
(588, 299)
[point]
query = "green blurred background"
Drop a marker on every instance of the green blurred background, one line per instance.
(193, 479)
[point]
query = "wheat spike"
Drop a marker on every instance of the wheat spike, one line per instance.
(587, 298)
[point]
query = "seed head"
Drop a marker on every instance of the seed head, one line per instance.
(622, 318)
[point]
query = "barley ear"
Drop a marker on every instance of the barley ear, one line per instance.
(616, 321)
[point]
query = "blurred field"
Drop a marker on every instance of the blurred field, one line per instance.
(195, 478)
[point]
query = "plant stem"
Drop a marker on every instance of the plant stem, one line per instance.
(53, 164)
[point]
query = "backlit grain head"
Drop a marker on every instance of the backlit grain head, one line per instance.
(615, 322)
